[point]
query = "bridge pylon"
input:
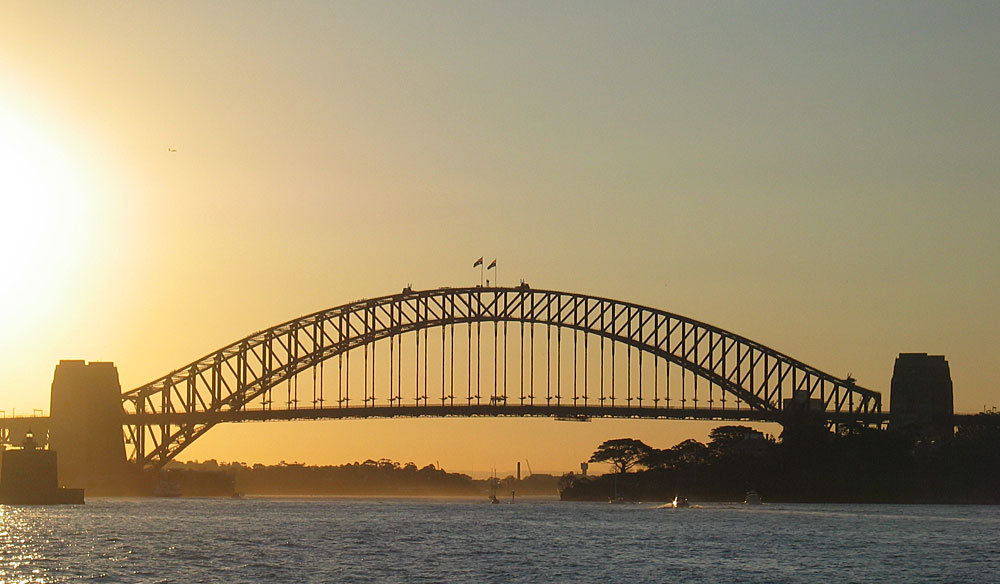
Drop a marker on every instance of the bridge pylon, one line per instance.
(922, 396)
(85, 427)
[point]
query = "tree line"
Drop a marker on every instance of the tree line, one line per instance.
(381, 477)
(808, 463)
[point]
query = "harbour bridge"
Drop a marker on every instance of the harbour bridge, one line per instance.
(476, 351)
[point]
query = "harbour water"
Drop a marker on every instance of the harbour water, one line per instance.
(400, 540)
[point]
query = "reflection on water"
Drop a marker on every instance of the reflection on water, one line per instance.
(20, 539)
(365, 540)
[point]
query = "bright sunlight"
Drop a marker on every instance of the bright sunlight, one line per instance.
(42, 221)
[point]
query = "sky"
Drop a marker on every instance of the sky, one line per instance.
(821, 178)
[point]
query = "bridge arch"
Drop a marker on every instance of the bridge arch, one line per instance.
(236, 382)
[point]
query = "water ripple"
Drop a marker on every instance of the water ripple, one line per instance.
(359, 540)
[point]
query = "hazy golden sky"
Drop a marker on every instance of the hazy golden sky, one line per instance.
(821, 179)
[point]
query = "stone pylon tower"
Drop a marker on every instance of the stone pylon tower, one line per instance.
(85, 427)
(922, 396)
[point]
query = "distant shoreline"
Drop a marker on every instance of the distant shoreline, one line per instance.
(381, 478)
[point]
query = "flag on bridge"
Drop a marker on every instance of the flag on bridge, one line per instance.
(492, 265)
(479, 262)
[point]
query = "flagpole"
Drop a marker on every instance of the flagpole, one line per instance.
(493, 266)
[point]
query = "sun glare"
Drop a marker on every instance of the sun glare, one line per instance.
(41, 220)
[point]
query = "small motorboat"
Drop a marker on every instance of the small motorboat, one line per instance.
(752, 498)
(679, 503)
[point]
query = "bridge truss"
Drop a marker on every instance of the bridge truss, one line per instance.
(481, 352)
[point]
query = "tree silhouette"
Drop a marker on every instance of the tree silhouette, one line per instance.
(690, 452)
(724, 437)
(622, 453)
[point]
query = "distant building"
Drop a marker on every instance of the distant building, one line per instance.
(921, 398)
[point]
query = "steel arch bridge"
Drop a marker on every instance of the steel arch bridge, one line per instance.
(498, 352)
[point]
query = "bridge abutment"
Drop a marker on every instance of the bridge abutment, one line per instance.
(85, 427)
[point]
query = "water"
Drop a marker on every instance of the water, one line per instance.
(369, 540)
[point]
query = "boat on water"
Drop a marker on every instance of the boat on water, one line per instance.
(679, 503)
(615, 497)
(752, 498)
(494, 484)
(167, 489)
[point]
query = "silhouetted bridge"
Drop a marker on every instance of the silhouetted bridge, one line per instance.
(483, 352)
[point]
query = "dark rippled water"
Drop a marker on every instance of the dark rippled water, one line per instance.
(352, 540)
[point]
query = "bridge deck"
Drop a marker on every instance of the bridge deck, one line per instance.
(12, 430)
(580, 413)
(40, 424)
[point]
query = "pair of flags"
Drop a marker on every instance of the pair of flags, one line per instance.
(479, 262)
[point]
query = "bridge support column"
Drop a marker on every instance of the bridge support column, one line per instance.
(85, 427)
(921, 398)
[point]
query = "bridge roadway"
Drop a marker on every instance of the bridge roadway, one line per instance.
(561, 413)
(13, 429)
